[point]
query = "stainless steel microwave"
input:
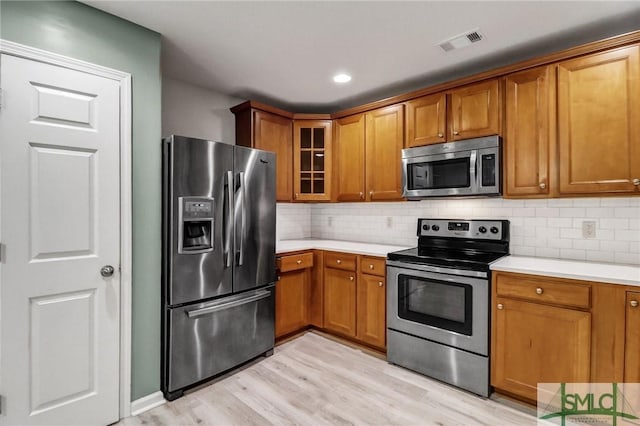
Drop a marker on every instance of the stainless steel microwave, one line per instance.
(464, 168)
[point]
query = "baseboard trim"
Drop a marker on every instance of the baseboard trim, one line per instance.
(146, 403)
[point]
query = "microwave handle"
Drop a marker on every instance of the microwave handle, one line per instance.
(473, 167)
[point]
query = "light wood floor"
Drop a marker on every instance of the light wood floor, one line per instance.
(316, 381)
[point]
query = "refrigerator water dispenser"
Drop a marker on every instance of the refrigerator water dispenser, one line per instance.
(195, 232)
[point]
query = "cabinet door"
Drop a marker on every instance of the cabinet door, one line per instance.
(348, 159)
(475, 111)
(632, 338)
(274, 133)
(426, 120)
(526, 144)
(384, 142)
(340, 301)
(536, 343)
(371, 310)
(292, 301)
(312, 160)
(599, 122)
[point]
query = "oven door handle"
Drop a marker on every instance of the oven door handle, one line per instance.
(438, 270)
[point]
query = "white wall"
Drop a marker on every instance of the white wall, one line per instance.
(542, 228)
(194, 111)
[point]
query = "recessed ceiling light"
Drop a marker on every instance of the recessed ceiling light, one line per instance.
(342, 78)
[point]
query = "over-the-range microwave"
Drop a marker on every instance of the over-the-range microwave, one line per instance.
(465, 168)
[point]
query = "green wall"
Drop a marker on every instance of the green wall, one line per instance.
(82, 32)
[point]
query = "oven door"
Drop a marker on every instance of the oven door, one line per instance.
(451, 173)
(445, 308)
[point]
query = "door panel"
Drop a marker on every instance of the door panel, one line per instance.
(632, 338)
(371, 310)
(426, 120)
(598, 122)
(348, 160)
(255, 218)
(60, 223)
(340, 301)
(199, 168)
(274, 133)
(475, 111)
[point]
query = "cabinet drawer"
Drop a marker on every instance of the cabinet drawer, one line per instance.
(372, 265)
(340, 261)
(558, 292)
(295, 262)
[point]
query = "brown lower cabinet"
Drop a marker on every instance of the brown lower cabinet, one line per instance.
(340, 293)
(552, 330)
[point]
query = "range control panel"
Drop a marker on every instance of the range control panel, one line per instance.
(473, 229)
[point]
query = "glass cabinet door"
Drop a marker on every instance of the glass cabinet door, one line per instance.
(312, 160)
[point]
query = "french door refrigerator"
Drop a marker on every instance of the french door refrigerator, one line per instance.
(219, 218)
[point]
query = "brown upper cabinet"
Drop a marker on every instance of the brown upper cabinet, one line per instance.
(367, 155)
(474, 111)
(599, 123)
(467, 112)
(383, 149)
(348, 159)
(312, 143)
(260, 129)
(527, 150)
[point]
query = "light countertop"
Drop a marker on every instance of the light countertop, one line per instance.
(572, 269)
(369, 249)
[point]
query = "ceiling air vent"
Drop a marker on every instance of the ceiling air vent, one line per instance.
(461, 40)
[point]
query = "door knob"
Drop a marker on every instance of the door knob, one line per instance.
(456, 133)
(370, 266)
(636, 182)
(379, 283)
(351, 278)
(361, 195)
(500, 306)
(634, 303)
(299, 262)
(338, 261)
(440, 135)
(107, 271)
(542, 185)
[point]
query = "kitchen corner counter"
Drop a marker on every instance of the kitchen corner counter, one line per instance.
(572, 269)
(367, 249)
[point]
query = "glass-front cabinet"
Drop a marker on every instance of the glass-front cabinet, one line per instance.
(312, 160)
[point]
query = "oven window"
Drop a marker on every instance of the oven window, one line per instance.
(439, 304)
(453, 173)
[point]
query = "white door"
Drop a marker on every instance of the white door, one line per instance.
(59, 225)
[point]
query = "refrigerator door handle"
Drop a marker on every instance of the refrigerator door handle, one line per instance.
(243, 218)
(228, 218)
(228, 305)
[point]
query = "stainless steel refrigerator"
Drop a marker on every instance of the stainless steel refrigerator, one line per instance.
(218, 294)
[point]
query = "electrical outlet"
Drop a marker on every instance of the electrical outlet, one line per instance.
(588, 229)
(389, 221)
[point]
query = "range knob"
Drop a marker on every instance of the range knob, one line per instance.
(494, 230)
(435, 227)
(425, 227)
(482, 230)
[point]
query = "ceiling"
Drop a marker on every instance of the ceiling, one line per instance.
(285, 53)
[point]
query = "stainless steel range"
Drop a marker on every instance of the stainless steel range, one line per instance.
(438, 297)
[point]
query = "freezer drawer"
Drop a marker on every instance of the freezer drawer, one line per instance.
(208, 338)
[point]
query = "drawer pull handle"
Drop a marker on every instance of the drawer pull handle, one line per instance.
(634, 303)
(539, 290)
(351, 278)
(370, 266)
(338, 261)
(299, 262)
(379, 283)
(500, 306)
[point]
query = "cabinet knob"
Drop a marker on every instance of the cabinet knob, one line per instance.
(351, 278)
(296, 196)
(299, 262)
(338, 261)
(634, 303)
(440, 135)
(456, 132)
(380, 284)
(542, 185)
(361, 195)
(500, 306)
(636, 182)
(370, 193)
(370, 266)
(539, 290)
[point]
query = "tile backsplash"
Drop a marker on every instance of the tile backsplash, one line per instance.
(542, 228)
